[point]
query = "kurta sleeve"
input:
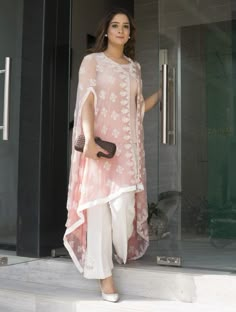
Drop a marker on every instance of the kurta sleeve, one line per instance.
(86, 85)
(140, 93)
(75, 235)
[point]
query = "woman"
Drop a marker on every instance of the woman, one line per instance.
(107, 202)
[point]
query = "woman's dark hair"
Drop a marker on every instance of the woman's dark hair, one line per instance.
(102, 40)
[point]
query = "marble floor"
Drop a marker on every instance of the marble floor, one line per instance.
(194, 255)
(48, 285)
(31, 297)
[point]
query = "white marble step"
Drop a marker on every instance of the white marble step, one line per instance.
(18, 296)
(181, 285)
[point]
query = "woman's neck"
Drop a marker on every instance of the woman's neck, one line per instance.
(115, 52)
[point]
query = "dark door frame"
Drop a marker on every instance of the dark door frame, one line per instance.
(44, 126)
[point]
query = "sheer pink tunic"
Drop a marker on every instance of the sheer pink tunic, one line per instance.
(95, 182)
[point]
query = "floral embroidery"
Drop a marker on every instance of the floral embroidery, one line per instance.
(124, 110)
(104, 129)
(125, 119)
(114, 115)
(123, 93)
(113, 97)
(128, 154)
(92, 82)
(127, 137)
(110, 80)
(130, 163)
(102, 94)
(72, 243)
(122, 76)
(99, 68)
(113, 124)
(79, 249)
(127, 146)
(115, 133)
(118, 151)
(119, 169)
(124, 102)
(104, 112)
(107, 166)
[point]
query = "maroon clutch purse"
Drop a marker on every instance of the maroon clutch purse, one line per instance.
(107, 146)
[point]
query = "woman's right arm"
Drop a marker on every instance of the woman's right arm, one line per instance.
(91, 148)
(87, 82)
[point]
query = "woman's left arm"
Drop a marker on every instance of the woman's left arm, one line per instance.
(152, 100)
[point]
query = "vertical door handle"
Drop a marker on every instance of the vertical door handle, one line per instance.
(5, 126)
(164, 103)
(172, 108)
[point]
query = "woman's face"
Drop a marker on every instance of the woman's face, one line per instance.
(118, 30)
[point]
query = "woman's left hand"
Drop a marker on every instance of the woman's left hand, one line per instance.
(152, 100)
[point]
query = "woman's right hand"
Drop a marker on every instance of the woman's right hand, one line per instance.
(91, 149)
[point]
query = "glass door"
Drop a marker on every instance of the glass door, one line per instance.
(197, 147)
(11, 14)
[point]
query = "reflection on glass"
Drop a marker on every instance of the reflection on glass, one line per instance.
(200, 168)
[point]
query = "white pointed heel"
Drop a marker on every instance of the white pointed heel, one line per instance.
(113, 297)
(110, 297)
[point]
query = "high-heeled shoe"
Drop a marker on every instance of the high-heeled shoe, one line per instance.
(110, 297)
(114, 297)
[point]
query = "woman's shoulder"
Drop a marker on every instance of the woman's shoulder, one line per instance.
(89, 60)
(134, 62)
(137, 64)
(92, 56)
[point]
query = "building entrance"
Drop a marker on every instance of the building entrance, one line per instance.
(190, 139)
(11, 17)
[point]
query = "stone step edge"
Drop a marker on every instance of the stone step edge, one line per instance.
(29, 296)
(147, 268)
(172, 285)
(42, 290)
(33, 294)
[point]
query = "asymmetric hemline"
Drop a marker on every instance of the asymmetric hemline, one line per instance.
(95, 182)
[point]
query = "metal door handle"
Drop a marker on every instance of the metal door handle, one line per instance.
(164, 102)
(5, 126)
(172, 108)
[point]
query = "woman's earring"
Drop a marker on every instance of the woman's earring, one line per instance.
(129, 37)
(105, 35)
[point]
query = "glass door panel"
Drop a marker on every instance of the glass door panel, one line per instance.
(11, 13)
(197, 176)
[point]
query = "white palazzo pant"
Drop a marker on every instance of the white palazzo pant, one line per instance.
(107, 224)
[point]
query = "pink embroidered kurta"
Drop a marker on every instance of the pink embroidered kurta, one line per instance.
(95, 182)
